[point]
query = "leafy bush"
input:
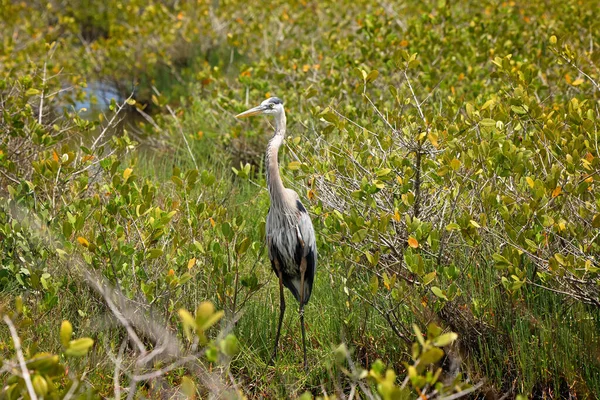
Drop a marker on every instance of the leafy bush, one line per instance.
(448, 154)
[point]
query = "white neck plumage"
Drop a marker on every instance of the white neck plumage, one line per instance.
(274, 183)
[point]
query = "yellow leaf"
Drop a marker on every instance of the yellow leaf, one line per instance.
(396, 216)
(191, 262)
(412, 242)
(54, 156)
(596, 221)
(171, 272)
(530, 182)
(212, 222)
(127, 173)
(455, 164)
(294, 165)
(83, 241)
(577, 82)
(556, 192)
(433, 138)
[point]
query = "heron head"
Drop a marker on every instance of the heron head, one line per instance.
(271, 106)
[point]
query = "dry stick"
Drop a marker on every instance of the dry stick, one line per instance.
(117, 372)
(572, 64)
(117, 313)
(418, 151)
(72, 390)
(362, 385)
(22, 363)
(417, 205)
(110, 123)
(160, 372)
(463, 393)
(93, 164)
(98, 283)
(40, 111)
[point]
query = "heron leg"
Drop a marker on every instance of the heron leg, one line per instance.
(302, 272)
(281, 312)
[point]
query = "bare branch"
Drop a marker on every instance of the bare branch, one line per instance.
(20, 357)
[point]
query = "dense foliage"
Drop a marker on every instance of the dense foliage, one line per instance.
(448, 153)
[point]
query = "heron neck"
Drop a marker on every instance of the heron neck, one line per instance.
(274, 182)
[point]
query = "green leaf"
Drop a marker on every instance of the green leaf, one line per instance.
(341, 353)
(230, 346)
(445, 339)
(431, 356)
(501, 261)
(227, 231)
(452, 227)
(427, 279)
(154, 253)
(188, 387)
(212, 320)
(40, 385)
(66, 331)
(32, 92)
(374, 284)
(371, 76)
(418, 334)
(561, 260)
(79, 347)
(294, 165)
(242, 246)
(438, 292)
(188, 322)
(474, 223)
(383, 172)
(519, 109)
(359, 235)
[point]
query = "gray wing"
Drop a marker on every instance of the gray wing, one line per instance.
(306, 233)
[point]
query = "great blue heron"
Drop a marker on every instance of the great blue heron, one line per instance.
(290, 234)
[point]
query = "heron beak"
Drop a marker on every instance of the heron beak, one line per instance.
(252, 111)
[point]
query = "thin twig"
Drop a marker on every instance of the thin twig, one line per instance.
(117, 373)
(41, 110)
(110, 123)
(117, 313)
(22, 363)
(463, 393)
